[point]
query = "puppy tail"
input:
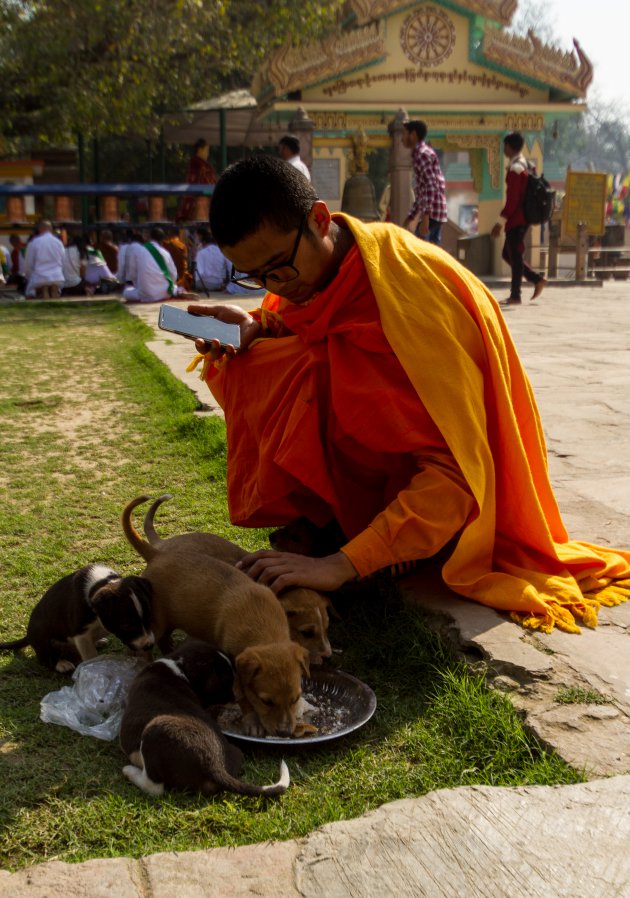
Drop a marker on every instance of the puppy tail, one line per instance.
(149, 529)
(141, 546)
(16, 644)
(231, 784)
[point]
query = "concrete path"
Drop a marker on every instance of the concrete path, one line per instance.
(473, 842)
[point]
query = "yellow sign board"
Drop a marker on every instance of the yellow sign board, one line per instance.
(585, 201)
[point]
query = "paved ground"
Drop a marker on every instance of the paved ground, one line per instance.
(536, 842)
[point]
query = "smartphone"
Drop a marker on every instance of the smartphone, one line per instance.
(180, 322)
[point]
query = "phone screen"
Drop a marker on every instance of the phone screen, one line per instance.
(181, 322)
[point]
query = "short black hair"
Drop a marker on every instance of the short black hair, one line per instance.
(418, 126)
(157, 234)
(199, 144)
(255, 191)
(291, 142)
(205, 235)
(514, 140)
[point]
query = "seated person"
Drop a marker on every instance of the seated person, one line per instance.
(97, 270)
(212, 270)
(108, 250)
(16, 272)
(179, 253)
(151, 271)
(379, 389)
(74, 265)
(43, 263)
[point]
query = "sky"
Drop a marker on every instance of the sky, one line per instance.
(602, 27)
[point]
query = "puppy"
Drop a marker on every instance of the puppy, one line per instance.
(213, 601)
(171, 741)
(306, 609)
(81, 608)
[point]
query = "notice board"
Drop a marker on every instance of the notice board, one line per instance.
(325, 175)
(585, 201)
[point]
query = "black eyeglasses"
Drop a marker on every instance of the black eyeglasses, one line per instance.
(278, 274)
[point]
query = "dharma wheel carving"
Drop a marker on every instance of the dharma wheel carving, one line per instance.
(427, 36)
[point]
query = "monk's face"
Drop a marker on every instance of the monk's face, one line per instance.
(268, 249)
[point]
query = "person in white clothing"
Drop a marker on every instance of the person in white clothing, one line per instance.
(151, 270)
(289, 150)
(96, 269)
(212, 269)
(74, 265)
(44, 263)
(213, 272)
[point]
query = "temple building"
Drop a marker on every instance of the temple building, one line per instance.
(452, 63)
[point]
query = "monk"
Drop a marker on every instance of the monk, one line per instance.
(199, 171)
(378, 387)
(179, 253)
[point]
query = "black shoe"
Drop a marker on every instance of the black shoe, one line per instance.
(510, 301)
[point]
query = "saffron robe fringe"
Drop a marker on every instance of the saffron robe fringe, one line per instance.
(478, 420)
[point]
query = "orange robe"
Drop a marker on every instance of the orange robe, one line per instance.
(179, 253)
(408, 440)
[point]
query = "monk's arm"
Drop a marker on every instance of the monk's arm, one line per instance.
(423, 517)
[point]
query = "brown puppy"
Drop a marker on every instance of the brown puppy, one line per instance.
(306, 609)
(214, 601)
(171, 741)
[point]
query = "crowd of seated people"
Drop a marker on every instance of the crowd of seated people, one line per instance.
(147, 265)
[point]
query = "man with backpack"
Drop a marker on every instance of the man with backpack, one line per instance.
(516, 223)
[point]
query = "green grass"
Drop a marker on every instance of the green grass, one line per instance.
(90, 419)
(577, 695)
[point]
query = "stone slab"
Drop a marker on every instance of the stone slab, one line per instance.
(477, 842)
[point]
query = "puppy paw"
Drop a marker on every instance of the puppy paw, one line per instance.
(64, 666)
(251, 726)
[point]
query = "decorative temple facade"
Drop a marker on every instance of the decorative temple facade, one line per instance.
(452, 63)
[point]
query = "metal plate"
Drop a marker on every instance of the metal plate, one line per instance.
(353, 701)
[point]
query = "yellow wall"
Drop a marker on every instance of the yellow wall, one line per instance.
(453, 79)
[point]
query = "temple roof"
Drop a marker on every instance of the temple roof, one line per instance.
(566, 73)
(495, 10)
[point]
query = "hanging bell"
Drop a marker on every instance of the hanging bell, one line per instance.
(359, 198)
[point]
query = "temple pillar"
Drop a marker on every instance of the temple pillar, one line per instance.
(156, 208)
(109, 209)
(399, 169)
(64, 208)
(202, 208)
(15, 208)
(303, 126)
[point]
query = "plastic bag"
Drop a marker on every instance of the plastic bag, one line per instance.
(94, 704)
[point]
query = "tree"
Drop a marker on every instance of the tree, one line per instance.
(120, 66)
(536, 17)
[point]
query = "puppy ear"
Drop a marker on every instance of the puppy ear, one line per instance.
(142, 587)
(247, 665)
(302, 656)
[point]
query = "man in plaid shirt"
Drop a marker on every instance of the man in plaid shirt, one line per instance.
(428, 184)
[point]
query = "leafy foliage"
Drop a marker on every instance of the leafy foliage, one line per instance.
(119, 67)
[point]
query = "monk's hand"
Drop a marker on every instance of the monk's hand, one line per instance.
(230, 314)
(496, 230)
(279, 570)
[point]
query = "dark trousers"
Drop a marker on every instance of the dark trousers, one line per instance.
(513, 250)
(434, 233)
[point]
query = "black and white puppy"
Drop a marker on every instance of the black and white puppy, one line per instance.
(169, 737)
(81, 608)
